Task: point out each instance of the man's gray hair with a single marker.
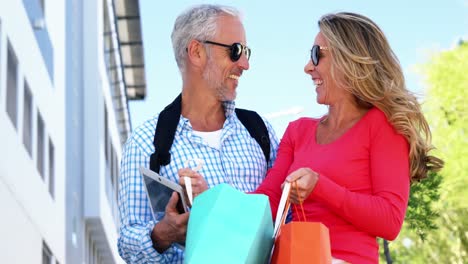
(200, 23)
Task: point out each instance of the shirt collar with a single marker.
(229, 107)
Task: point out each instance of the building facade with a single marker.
(105, 69)
(67, 71)
(32, 132)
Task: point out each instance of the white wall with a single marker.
(29, 213)
(23, 237)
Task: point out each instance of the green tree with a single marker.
(447, 112)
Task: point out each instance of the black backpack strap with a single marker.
(257, 129)
(165, 130)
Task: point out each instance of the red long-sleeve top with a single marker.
(363, 188)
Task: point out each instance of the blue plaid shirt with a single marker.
(239, 162)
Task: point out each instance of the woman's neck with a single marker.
(343, 115)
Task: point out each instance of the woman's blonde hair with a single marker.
(372, 73)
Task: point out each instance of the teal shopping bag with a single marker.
(229, 226)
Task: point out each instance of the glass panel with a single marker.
(35, 11)
(111, 166)
(51, 168)
(27, 119)
(106, 136)
(46, 254)
(115, 172)
(42, 5)
(12, 88)
(40, 144)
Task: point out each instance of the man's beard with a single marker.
(215, 80)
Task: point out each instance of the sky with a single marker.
(280, 34)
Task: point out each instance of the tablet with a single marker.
(159, 191)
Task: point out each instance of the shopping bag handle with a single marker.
(284, 206)
(301, 202)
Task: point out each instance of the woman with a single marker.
(354, 165)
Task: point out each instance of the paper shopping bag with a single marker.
(302, 242)
(229, 226)
(299, 242)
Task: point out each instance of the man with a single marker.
(210, 50)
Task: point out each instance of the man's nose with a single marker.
(244, 62)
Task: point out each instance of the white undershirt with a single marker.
(213, 138)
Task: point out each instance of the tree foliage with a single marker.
(421, 215)
(447, 112)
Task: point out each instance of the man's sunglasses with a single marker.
(235, 50)
(315, 54)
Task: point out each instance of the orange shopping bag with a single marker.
(299, 242)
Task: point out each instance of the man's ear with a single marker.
(196, 53)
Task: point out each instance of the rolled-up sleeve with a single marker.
(136, 220)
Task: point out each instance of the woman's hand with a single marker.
(306, 179)
(199, 184)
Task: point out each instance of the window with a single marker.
(35, 10)
(114, 204)
(12, 89)
(41, 2)
(106, 135)
(111, 166)
(51, 168)
(115, 175)
(92, 252)
(47, 256)
(27, 119)
(40, 144)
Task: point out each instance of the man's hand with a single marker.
(199, 184)
(306, 179)
(172, 228)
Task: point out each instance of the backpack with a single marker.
(167, 125)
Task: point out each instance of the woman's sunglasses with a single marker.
(235, 50)
(315, 54)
